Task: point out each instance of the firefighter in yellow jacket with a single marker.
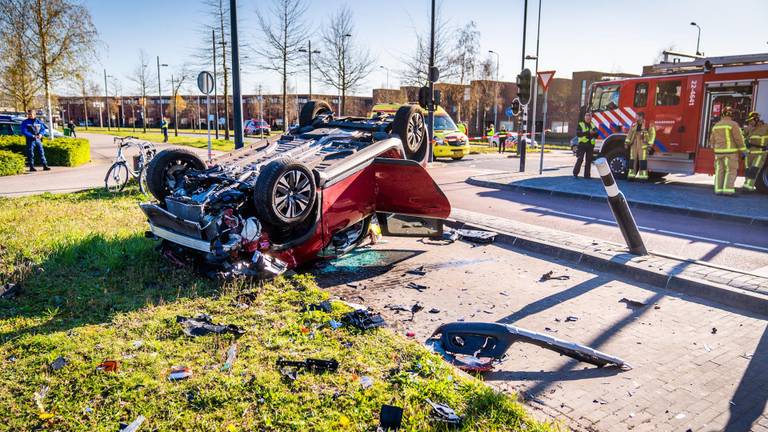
(756, 135)
(639, 140)
(727, 142)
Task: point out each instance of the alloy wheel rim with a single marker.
(415, 132)
(292, 194)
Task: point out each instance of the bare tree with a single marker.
(178, 79)
(342, 65)
(466, 50)
(416, 64)
(59, 35)
(284, 33)
(142, 78)
(18, 81)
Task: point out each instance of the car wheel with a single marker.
(285, 192)
(166, 168)
(619, 163)
(409, 126)
(761, 182)
(311, 110)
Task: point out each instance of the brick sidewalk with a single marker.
(685, 374)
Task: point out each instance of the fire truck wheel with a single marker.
(619, 163)
(761, 183)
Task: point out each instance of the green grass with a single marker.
(199, 139)
(92, 286)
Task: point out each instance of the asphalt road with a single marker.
(723, 243)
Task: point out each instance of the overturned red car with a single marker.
(311, 194)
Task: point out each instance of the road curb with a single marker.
(662, 273)
(633, 203)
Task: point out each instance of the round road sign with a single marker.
(205, 82)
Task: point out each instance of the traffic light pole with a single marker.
(521, 138)
(431, 102)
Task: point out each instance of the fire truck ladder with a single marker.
(699, 63)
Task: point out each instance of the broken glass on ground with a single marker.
(230, 358)
(202, 324)
(485, 343)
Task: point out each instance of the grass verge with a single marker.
(93, 288)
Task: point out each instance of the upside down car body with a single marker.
(311, 194)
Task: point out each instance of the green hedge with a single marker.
(11, 163)
(67, 152)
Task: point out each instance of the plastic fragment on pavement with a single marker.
(179, 373)
(134, 425)
(477, 236)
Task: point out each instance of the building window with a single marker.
(668, 93)
(560, 127)
(583, 94)
(641, 95)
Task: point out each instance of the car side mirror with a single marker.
(399, 225)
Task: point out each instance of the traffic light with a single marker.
(524, 86)
(515, 107)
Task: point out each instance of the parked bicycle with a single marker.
(120, 172)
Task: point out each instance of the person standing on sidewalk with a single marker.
(164, 128)
(71, 127)
(639, 139)
(727, 141)
(33, 130)
(490, 131)
(586, 134)
(756, 134)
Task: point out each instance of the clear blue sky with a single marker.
(613, 36)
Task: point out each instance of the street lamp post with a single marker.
(342, 89)
(106, 99)
(496, 91)
(386, 69)
(698, 38)
(159, 89)
(175, 110)
(309, 52)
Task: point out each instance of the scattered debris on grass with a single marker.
(39, 397)
(9, 290)
(133, 426)
(290, 368)
(107, 366)
(632, 304)
(202, 325)
(444, 413)
(324, 306)
(179, 373)
(59, 363)
(390, 417)
(366, 382)
(363, 319)
(549, 276)
(230, 358)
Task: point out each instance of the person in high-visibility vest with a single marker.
(639, 139)
(586, 133)
(164, 128)
(756, 133)
(727, 142)
(489, 133)
(462, 128)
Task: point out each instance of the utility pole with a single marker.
(536, 93)
(261, 114)
(386, 69)
(215, 88)
(496, 92)
(175, 110)
(523, 125)
(159, 89)
(237, 98)
(106, 100)
(431, 77)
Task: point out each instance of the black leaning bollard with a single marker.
(620, 209)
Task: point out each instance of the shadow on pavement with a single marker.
(749, 400)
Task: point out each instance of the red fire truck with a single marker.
(683, 100)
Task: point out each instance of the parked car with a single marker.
(511, 139)
(11, 125)
(309, 195)
(256, 127)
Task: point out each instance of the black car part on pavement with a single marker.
(481, 340)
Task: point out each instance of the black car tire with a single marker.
(618, 162)
(164, 169)
(285, 193)
(410, 127)
(311, 110)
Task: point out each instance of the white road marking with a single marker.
(752, 246)
(606, 221)
(565, 214)
(694, 236)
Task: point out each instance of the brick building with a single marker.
(128, 109)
